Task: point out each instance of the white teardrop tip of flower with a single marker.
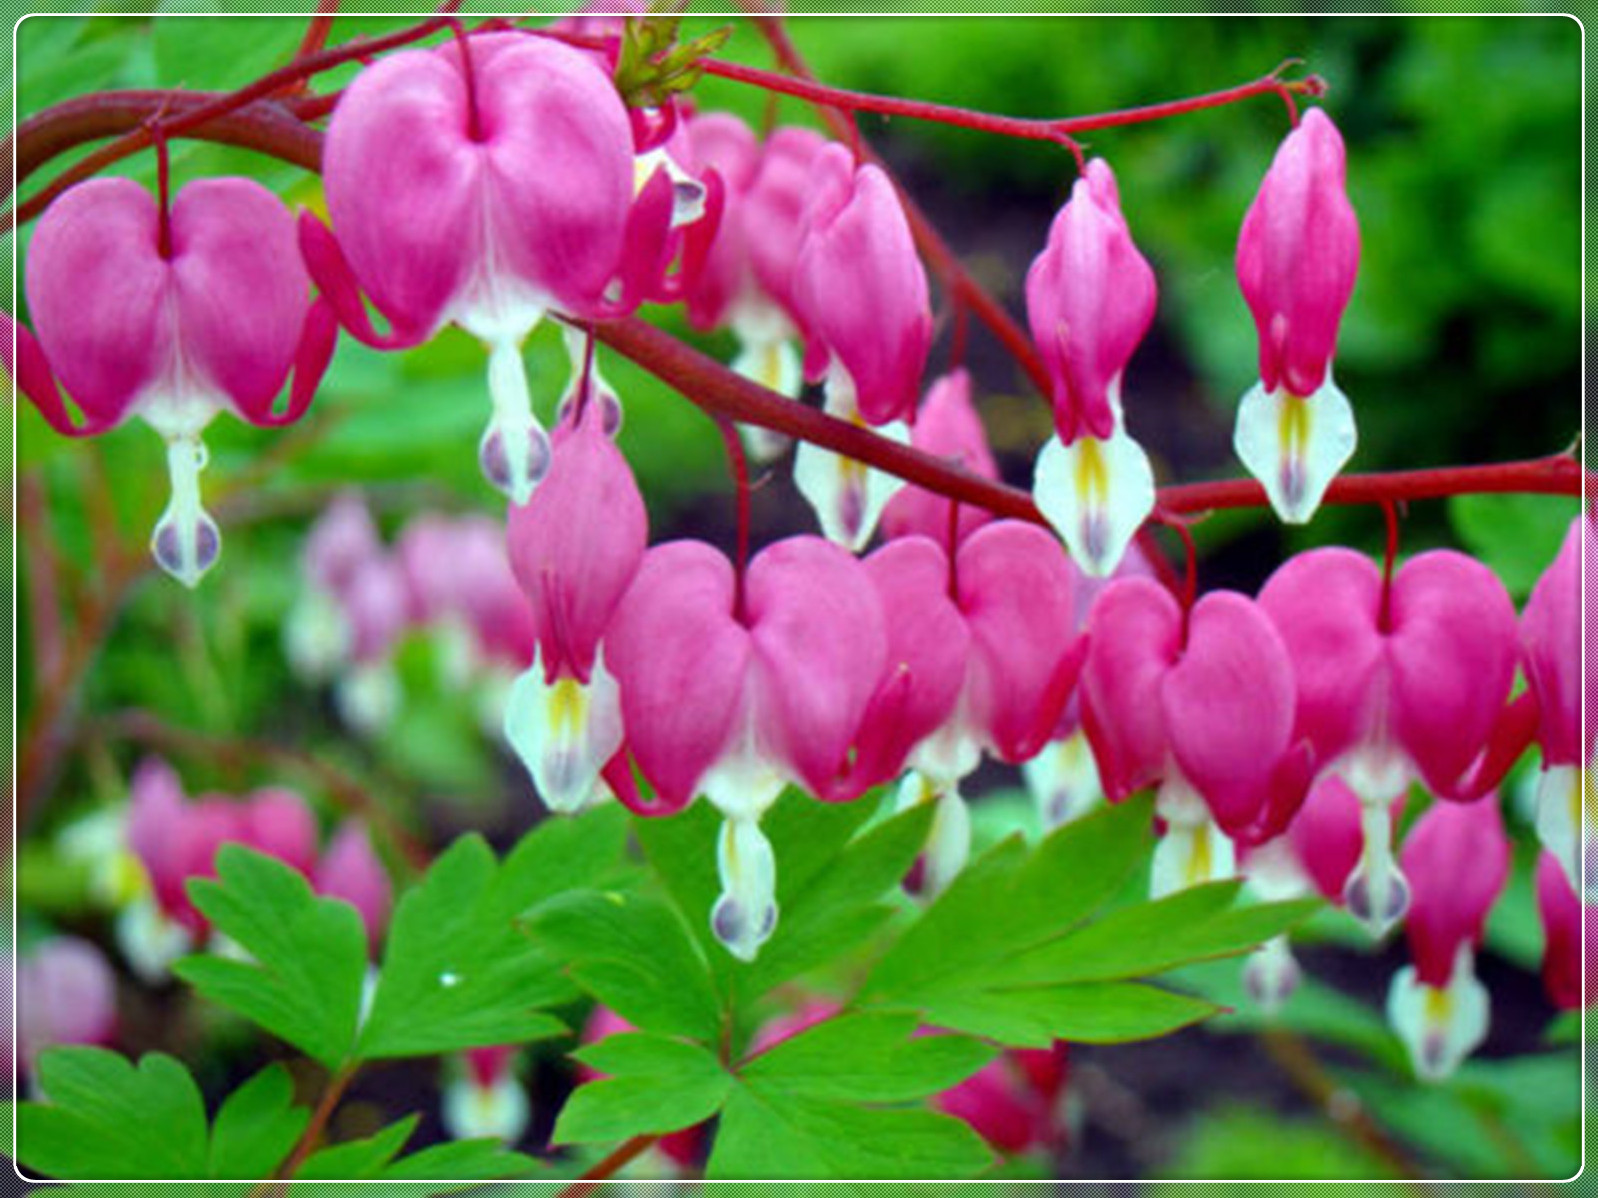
(564, 732)
(495, 1112)
(773, 362)
(847, 496)
(1295, 445)
(514, 453)
(1440, 1026)
(1377, 893)
(1063, 781)
(186, 542)
(745, 915)
(1567, 820)
(1096, 494)
(149, 941)
(1193, 850)
(368, 697)
(1271, 975)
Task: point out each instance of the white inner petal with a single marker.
(1440, 1026)
(1063, 780)
(564, 732)
(1295, 445)
(1096, 494)
(847, 496)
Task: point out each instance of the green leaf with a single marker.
(1516, 535)
(450, 1168)
(867, 1058)
(766, 1133)
(632, 954)
(1148, 938)
(203, 52)
(305, 981)
(257, 1127)
(652, 1085)
(836, 905)
(1088, 1013)
(1008, 900)
(98, 1120)
(357, 1160)
(457, 973)
(561, 854)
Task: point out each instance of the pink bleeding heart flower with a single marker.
(1553, 636)
(1296, 260)
(457, 571)
(1328, 835)
(947, 426)
(342, 540)
(575, 549)
(1570, 954)
(484, 186)
(485, 1099)
(66, 994)
(723, 143)
(1203, 708)
(727, 290)
(861, 295)
(317, 635)
(771, 216)
(1457, 861)
(1090, 300)
(927, 648)
(1394, 682)
(1013, 588)
(1015, 1101)
(737, 691)
(349, 869)
(171, 316)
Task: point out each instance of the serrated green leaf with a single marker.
(96, 1122)
(652, 1085)
(829, 910)
(561, 854)
(457, 973)
(256, 1128)
(451, 1168)
(309, 965)
(766, 1133)
(357, 1160)
(1009, 900)
(1086, 1013)
(867, 1058)
(1149, 938)
(632, 954)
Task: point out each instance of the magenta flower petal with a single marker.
(1453, 651)
(1327, 836)
(1457, 860)
(1567, 955)
(576, 545)
(1551, 632)
(927, 650)
(1015, 588)
(1298, 254)
(681, 660)
(1090, 299)
(1134, 633)
(277, 822)
(773, 210)
(817, 628)
(156, 815)
(1228, 707)
(861, 292)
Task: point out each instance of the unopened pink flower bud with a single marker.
(66, 994)
(1296, 260)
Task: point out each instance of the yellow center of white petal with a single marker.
(568, 707)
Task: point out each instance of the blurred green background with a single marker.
(1461, 345)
